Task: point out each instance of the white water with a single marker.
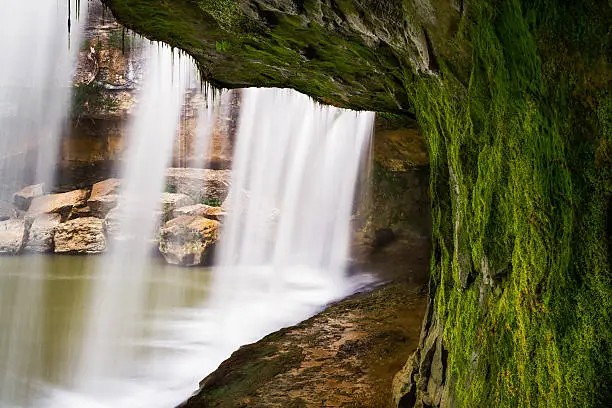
(118, 295)
(37, 64)
(285, 243)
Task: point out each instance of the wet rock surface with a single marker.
(345, 356)
(80, 236)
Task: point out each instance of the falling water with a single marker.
(37, 67)
(35, 73)
(118, 294)
(285, 243)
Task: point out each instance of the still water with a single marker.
(45, 302)
(189, 323)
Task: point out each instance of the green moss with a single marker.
(274, 49)
(517, 175)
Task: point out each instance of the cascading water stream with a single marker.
(35, 82)
(285, 242)
(118, 294)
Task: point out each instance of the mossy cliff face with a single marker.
(513, 98)
(350, 53)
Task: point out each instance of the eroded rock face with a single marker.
(188, 240)
(202, 185)
(81, 236)
(42, 231)
(23, 198)
(12, 236)
(62, 204)
(201, 210)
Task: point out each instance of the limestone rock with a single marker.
(12, 236)
(104, 197)
(202, 185)
(40, 237)
(201, 210)
(81, 236)
(172, 201)
(6, 211)
(62, 204)
(188, 240)
(23, 198)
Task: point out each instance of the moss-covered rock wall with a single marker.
(513, 98)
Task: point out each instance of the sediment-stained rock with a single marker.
(188, 240)
(81, 236)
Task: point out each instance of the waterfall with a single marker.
(285, 243)
(38, 61)
(118, 298)
(35, 82)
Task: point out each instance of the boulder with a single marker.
(201, 210)
(106, 187)
(6, 211)
(12, 236)
(42, 231)
(62, 204)
(171, 201)
(104, 197)
(188, 240)
(80, 236)
(23, 198)
(203, 185)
